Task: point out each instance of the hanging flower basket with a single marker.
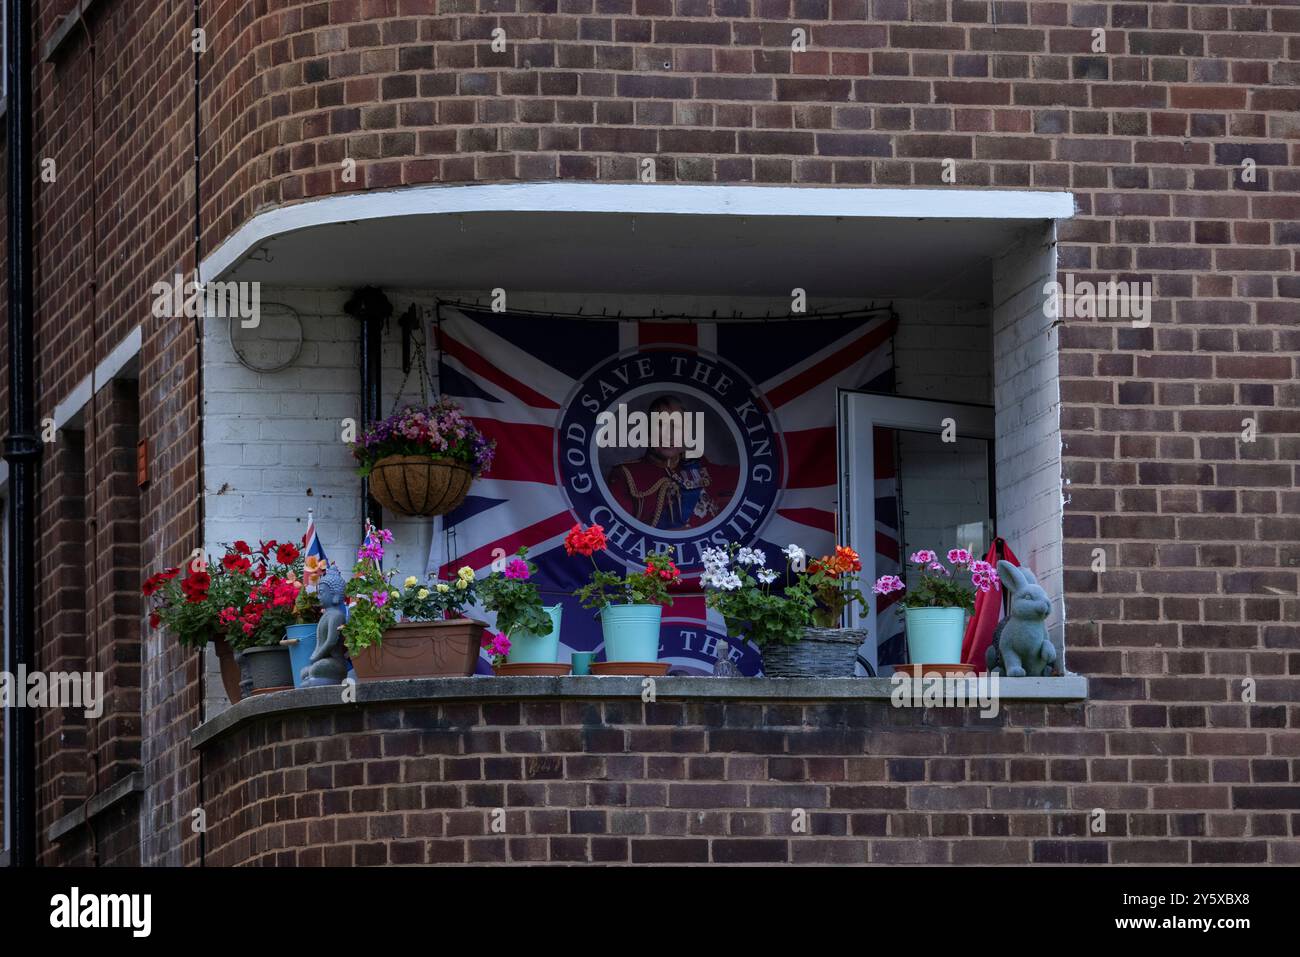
(421, 460)
(419, 485)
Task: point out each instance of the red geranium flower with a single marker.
(286, 554)
(234, 562)
(154, 619)
(268, 547)
(586, 541)
(241, 546)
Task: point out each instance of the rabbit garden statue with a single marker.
(1021, 645)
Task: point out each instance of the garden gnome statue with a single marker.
(328, 664)
(1021, 646)
(724, 667)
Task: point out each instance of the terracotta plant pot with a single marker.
(229, 669)
(533, 669)
(419, 485)
(422, 649)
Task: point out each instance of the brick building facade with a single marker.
(1175, 127)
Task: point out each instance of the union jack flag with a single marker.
(768, 474)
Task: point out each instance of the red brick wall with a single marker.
(619, 781)
(118, 124)
(63, 771)
(114, 571)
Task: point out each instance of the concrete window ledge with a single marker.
(1034, 690)
(97, 805)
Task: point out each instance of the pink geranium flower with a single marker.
(888, 584)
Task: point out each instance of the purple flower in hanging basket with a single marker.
(440, 430)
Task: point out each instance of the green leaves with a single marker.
(937, 591)
(647, 587)
(515, 600)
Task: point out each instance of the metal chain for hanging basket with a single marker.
(418, 485)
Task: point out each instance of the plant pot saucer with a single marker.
(645, 669)
(258, 691)
(960, 670)
(550, 668)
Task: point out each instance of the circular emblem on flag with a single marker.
(668, 448)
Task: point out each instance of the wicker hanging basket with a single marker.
(419, 485)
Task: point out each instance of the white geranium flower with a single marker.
(794, 554)
(766, 576)
(713, 558)
(751, 556)
(729, 582)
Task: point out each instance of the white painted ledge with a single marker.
(636, 199)
(108, 370)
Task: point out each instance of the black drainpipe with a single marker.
(371, 308)
(21, 448)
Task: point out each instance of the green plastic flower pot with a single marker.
(527, 648)
(934, 635)
(631, 632)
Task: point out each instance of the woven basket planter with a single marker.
(419, 485)
(822, 653)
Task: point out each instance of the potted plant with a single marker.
(630, 604)
(186, 605)
(532, 631)
(738, 583)
(827, 649)
(257, 626)
(935, 609)
(417, 631)
(244, 601)
(833, 580)
(421, 460)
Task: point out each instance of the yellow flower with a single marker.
(422, 594)
(462, 584)
(396, 593)
(442, 587)
(410, 581)
(465, 574)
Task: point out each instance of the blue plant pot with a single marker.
(527, 648)
(934, 635)
(300, 654)
(631, 632)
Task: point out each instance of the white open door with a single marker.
(913, 474)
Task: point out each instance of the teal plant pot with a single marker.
(527, 648)
(300, 654)
(631, 632)
(934, 635)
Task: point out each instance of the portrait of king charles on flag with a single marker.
(674, 484)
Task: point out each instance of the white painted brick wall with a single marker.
(1028, 420)
(942, 351)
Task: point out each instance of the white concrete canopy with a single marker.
(661, 239)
